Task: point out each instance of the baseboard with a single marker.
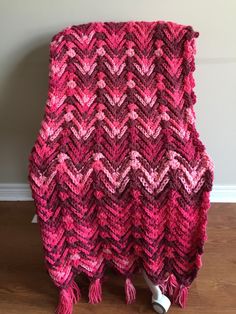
(15, 192)
(22, 192)
(223, 194)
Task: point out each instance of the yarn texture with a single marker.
(118, 173)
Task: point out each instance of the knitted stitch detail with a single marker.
(119, 175)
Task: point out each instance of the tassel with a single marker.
(181, 299)
(172, 287)
(67, 297)
(163, 287)
(130, 291)
(76, 292)
(199, 261)
(95, 291)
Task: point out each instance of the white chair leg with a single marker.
(160, 302)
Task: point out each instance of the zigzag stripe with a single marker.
(118, 171)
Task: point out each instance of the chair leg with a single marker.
(160, 302)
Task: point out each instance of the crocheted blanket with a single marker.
(119, 175)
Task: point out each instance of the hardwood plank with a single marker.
(25, 286)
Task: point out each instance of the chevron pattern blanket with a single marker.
(119, 175)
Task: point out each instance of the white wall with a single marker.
(26, 27)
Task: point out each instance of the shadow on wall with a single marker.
(23, 99)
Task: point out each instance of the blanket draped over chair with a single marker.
(118, 173)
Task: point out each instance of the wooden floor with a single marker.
(26, 288)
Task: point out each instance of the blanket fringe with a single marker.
(176, 292)
(172, 287)
(95, 291)
(76, 292)
(182, 296)
(130, 291)
(68, 296)
(199, 261)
